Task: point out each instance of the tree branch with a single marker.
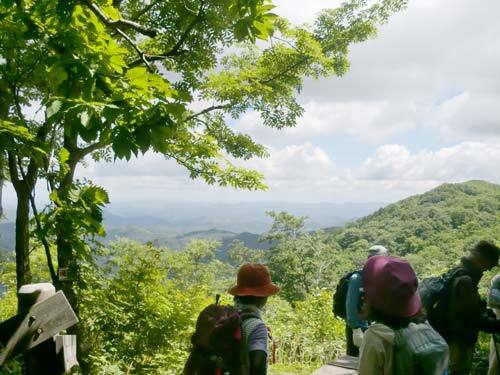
(121, 23)
(136, 48)
(31, 174)
(14, 175)
(82, 152)
(43, 240)
(207, 110)
(186, 32)
(176, 49)
(285, 71)
(19, 111)
(152, 58)
(146, 9)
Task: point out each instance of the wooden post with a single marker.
(66, 351)
(30, 294)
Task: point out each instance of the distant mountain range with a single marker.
(175, 224)
(435, 225)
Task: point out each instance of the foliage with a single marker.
(306, 333)
(117, 79)
(441, 225)
(139, 303)
(239, 254)
(137, 313)
(301, 262)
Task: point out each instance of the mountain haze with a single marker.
(175, 224)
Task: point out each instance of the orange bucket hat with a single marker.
(254, 280)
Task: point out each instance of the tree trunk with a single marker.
(23, 270)
(67, 267)
(67, 263)
(2, 179)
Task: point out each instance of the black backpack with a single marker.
(435, 295)
(340, 295)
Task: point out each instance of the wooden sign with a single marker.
(44, 320)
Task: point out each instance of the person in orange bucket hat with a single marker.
(253, 287)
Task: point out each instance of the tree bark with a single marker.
(2, 179)
(23, 269)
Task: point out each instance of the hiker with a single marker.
(462, 313)
(234, 340)
(400, 341)
(494, 304)
(252, 289)
(355, 326)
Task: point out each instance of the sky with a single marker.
(420, 106)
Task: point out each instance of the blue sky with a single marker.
(420, 106)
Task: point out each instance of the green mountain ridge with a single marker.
(431, 229)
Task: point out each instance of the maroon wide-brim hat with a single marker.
(254, 280)
(390, 286)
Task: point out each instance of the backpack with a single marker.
(340, 295)
(419, 349)
(435, 294)
(219, 343)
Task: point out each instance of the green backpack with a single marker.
(419, 349)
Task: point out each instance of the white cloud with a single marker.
(434, 50)
(296, 163)
(433, 67)
(367, 121)
(468, 115)
(150, 164)
(464, 161)
(298, 12)
(304, 173)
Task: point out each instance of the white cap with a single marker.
(377, 250)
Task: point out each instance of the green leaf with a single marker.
(56, 75)
(101, 196)
(7, 3)
(54, 108)
(84, 117)
(54, 197)
(138, 77)
(63, 155)
(143, 138)
(121, 146)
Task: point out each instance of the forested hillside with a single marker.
(139, 303)
(439, 225)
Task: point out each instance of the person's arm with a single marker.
(371, 361)
(352, 303)
(258, 350)
(258, 362)
(469, 307)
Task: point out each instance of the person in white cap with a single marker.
(355, 326)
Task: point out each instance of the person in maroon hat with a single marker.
(400, 341)
(251, 291)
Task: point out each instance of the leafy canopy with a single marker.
(118, 78)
